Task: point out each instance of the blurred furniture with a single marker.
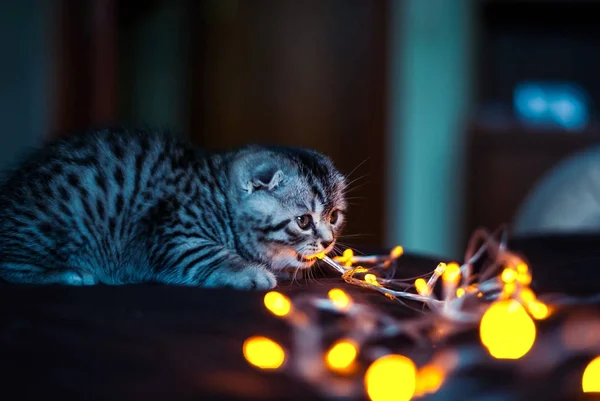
(307, 73)
(523, 41)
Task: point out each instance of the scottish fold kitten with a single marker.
(117, 207)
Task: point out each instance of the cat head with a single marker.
(288, 205)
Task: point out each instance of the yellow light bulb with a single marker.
(341, 355)
(339, 298)
(506, 330)
(263, 353)
(527, 295)
(451, 273)
(348, 254)
(508, 289)
(421, 286)
(509, 275)
(590, 381)
(346, 258)
(371, 279)
(522, 268)
(277, 303)
(460, 292)
(439, 270)
(391, 377)
(429, 379)
(538, 310)
(524, 278)
(397, 252)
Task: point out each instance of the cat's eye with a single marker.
(304, 221)
(334, 216)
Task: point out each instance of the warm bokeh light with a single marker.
(507, 330)
(421, 287)
(527, 295)
(451, 273)
(590, 381)
(346, 258)
(509, 275)
(277, 303)
(348, 254)
(371, 279)
(397, 252)
(429, 379)
(508, 290)
(391, 377)
(339, 298)
(522, 268)
(538, 310)
(524, 278)
(341, 355)
(460, 292)
(263, 353)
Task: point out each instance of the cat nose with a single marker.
(325, 243)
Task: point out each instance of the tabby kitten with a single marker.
(119, 207)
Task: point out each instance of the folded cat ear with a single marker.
(265, 177)
(258, 171)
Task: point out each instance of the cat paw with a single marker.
(253, 277)
(74, 278)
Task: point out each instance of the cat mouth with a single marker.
(309, 258)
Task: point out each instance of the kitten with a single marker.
(119, 207)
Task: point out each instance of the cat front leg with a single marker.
(202, 263)
(247, 277)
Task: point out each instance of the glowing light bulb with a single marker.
(524, 278)
(263, 353)
(277, 303)
(371, 279)
(509, 275)
(421, 286)
(397, 252)
(341, 355)
(439, 270)
(339, 298)
(508, 289)
(527, 295)
(451, 273)
(346, 257)
(429, 379)
(506, 330)
(590, 382)
(538, 310)
(522, 268)
(391, 377)
(460, 292)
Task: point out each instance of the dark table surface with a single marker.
(174, 343)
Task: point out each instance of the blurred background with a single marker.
(445, 112)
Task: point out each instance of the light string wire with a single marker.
(498, 299)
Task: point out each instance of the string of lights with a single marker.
(334, 356)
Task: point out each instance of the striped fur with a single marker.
(119, 207)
